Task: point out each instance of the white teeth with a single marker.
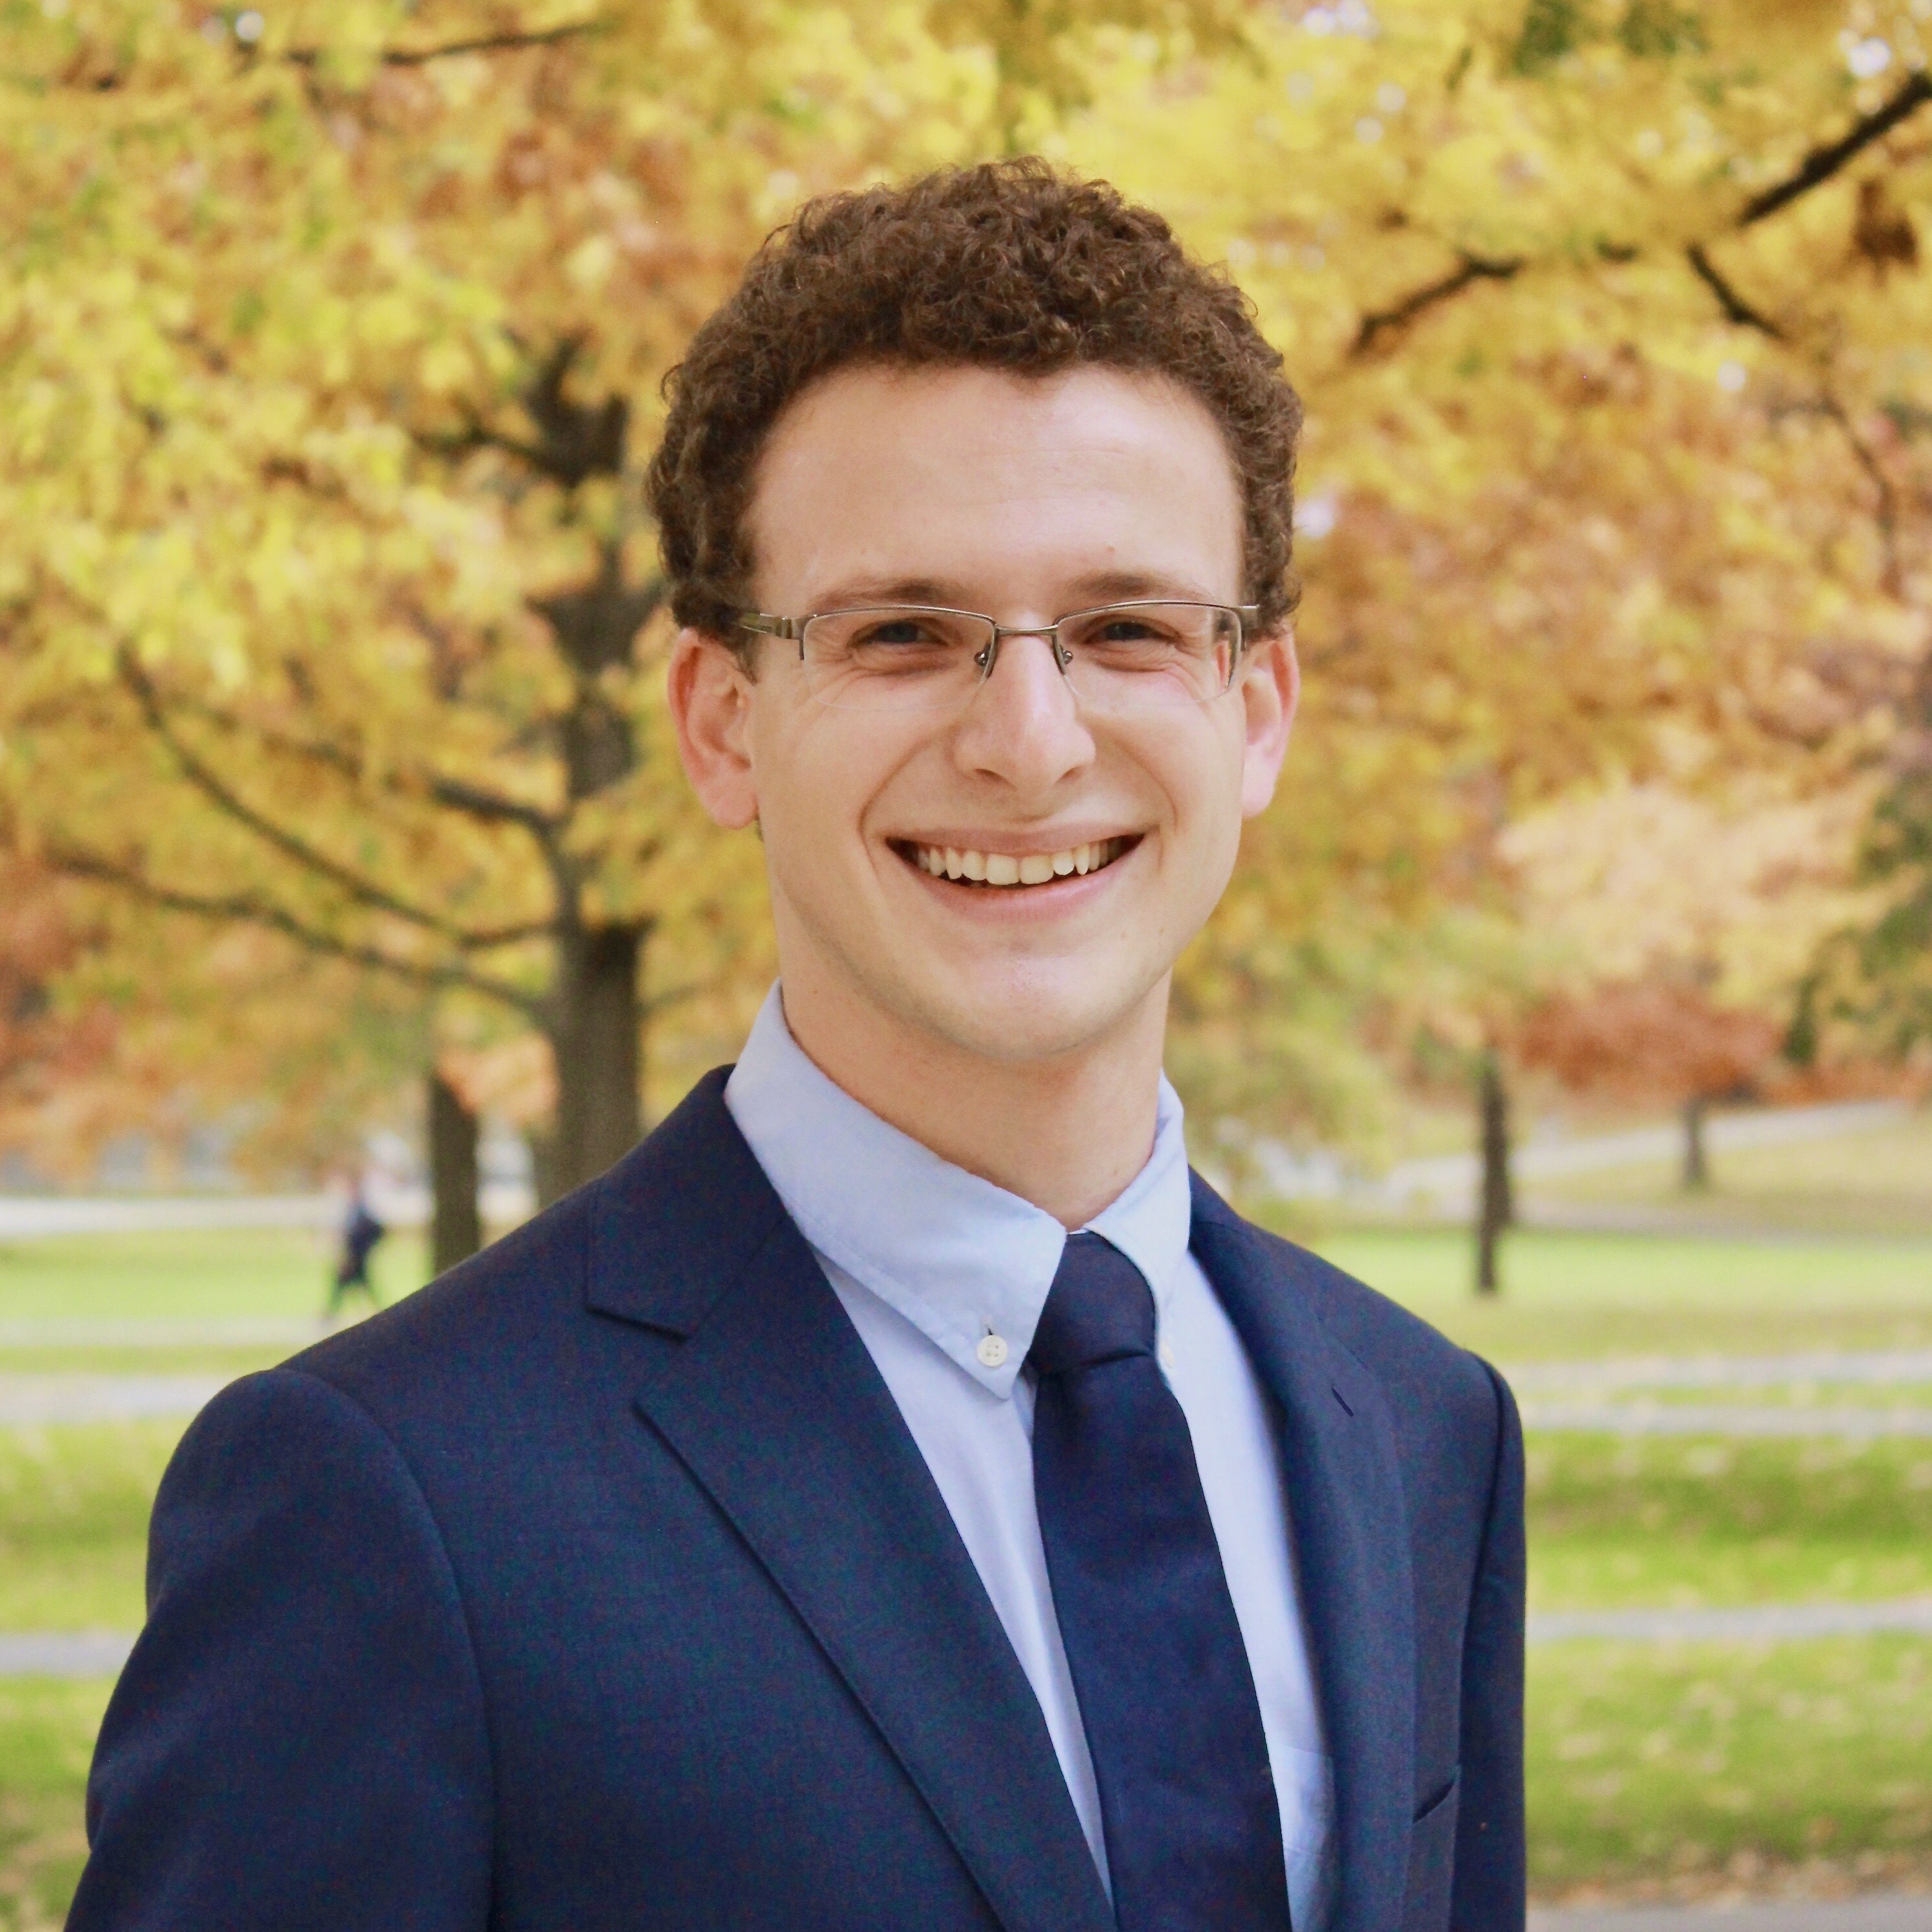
(1006, 868)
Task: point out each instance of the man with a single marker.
(362, 1234)
(894, 1496)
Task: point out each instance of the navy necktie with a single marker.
(1193, 1830)
(1155, 1655)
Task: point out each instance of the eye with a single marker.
(1127, 629)
(1128, 634)
(901, 631)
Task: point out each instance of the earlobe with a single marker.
(1270, 690)
(710, 705)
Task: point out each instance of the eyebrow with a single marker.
(863, 591)
(1106, 586)
(1112, 587)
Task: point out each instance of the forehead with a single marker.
(984, 485)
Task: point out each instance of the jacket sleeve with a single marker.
(298, 1739)
(1490, 1876)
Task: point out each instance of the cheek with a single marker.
(1201, 776)
(817, 778)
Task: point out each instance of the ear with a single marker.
(1270, 689)
(710, 704)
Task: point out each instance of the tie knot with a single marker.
(1098, 1308)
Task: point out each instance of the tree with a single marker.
(1656, 1039)
(1495, 1200)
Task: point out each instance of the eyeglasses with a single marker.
(1156, 654)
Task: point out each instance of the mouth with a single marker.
(1010, 869)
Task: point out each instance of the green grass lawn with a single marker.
(1671, 1521)
(1650, 1764)
(1585, 1295)
(73, 1523)
(47, 1735)
(191, 1275)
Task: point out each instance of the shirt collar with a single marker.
(960, 1259)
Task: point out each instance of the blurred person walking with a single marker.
(361, 1234)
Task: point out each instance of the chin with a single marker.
(1016, 1023)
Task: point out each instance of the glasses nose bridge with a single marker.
(1048, 633)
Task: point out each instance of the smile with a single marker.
(1008, 869)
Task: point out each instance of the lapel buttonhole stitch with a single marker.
(1342, 1399)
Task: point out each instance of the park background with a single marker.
(1588, 947)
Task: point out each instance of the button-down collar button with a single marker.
(991, 1351)
(1167, 1355)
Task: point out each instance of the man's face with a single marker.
(1026, 499)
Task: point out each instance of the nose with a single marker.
(1022, 725)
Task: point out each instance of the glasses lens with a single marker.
(1151, 656)
(894, 657)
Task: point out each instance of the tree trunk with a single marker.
(598, 1038)
(456, 1226)
(1697, 1167)
(598, 1115)
(1496, 1208)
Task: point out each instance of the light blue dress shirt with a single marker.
(944, 1275)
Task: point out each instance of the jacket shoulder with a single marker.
(1425, 1374)
(590, 1286)
(531, 1279)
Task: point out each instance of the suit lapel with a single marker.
(1351, 1541)
(773, 1405)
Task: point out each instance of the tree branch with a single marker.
(1472, 268)
(244, 907)
(483, 43)
(1822, 163)
(1736, 308)
(219, 793)
(459, 794)
(1887, 513)
(575, 440)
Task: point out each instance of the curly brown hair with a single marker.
(1009, 266)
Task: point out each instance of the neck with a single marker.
(1067, 1132)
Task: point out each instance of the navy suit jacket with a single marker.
(602, 1585)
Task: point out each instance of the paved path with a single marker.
(1452, 1177)
(1584, 1395)
(292, 1331)
(63, 1653)
(33, 1217)
(27, 1217)
(1690, 1418)
(1897, 1913)
(1744, 1622)
(31, 1399)
(1896, 1365)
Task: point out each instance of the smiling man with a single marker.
(897, 1495)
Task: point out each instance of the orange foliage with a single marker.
(1649, 1039)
